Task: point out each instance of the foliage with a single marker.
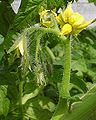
(92, 1)
(34, 70)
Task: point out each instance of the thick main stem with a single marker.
(64, 90)
(62, 106)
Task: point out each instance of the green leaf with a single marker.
(51, 4)
(1, 39)
(82, 110)
(10, 1)
(6, 17)
(79, 66)
(1, 46)
(39, 107)
(1, 54)
(76, 0)
(88, 36)
(31, 95)
(28, 14)
(92, 1)
(6, 105)
(9, 79)
(78, 81)
(4, 102)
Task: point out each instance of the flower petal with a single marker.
(76, 19)
(47, 24)
(20, 45)
(76, 31)
(85, 24)
(67, 13)
(45, 17)
(60, 19)
(81, 27)
(66, 29)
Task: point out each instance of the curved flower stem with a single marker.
(62, 106)
(45, 30)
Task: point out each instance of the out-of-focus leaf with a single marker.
(1, 46)
(28, 14)
(79, 66)
(51, 92)
(39, 107)
(57, 75)
(6, 106)
(1, 39)
(88, 36)
(76, 80)
(94, 1)
(6, 17)
(9, 79)
(10, 1)
(82, 110)
(1, 54)
(4, 101)
(31, 95)
(51, 4)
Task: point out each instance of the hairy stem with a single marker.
(46, 30)
(62, 106)
(64, 91)
(37, 48)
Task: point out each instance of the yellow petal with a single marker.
(85, 24)
(66, 29)
(76, 31)
(60, 19)
(45, 17)
(64, 17)
(47, 24)
(76, 19)
(81, 27)
(20, 45)
(53, 13)
(41, 10)
(67, 13)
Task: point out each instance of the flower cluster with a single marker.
(45, 17)
(70, 22)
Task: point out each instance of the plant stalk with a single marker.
(62, 106)
(64, 89)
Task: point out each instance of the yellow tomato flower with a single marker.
(45, 17)
(71, 22)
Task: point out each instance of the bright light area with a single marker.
(15, 5)
(88, 10)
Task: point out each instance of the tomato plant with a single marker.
(47, 62)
